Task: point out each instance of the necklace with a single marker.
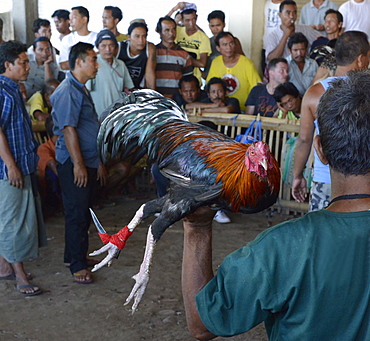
(349, 197)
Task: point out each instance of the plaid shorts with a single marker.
(320, 195)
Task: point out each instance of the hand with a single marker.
(80, 175)
(320, 27)
(113, 252)
(15, 177)
(200, 219)
(299, 189)
(313, 27)
(102, 175)
(288, 30)
(50, 59)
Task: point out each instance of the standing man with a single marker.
(42, 66)
(356, 14)
(139, 55)
(191, 38)
(302, 69)
(307, 278)
(76, 124)
(79, 19)
(276, 42)
(313, 13)
(61, 21)
(172, 61)
(19, 233)
(351, 53)
(261, 99)
(113, 78)
(235, 69)
(112, 15)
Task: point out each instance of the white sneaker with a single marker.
(221, 217)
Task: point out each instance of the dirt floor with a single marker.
(71, 311)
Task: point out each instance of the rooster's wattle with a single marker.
(203, 166)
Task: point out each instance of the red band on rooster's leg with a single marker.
(105, 237)
(119, 239)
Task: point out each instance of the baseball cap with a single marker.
(105, 35)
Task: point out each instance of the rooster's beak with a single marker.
(263, 163)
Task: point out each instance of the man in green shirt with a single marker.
(307, 278)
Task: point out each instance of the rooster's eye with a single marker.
(251, 153)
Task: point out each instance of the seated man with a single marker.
(40, 105)
(172, 61)
(42, 66)
(237, 70)
(217, 101)
(288, 100)
(113, 78)
(302, 69)
(302, 277)
(139, 56)
(189, 92)
(261, 99)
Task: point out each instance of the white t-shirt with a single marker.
(272, 19)
(72, 39)
(356, 16)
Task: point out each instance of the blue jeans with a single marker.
(77, 201)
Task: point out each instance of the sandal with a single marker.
(27, 286)
(82, 279)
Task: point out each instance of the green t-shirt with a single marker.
(308, 279)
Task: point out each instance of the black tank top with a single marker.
(135, 65)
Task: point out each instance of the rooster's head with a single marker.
(258, 158)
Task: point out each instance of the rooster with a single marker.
(203, 166)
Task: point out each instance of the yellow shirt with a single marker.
(36, 102)
(121, 37)
(195, 45)
(240, 79)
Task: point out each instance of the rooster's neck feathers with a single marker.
(240, 186)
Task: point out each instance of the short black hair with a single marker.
(349, 46)
(34, 44)
(136, 25)
(297, 38)
(50, 86)
(189, 79)
(343, 116)
(286, 2)
(274, 62)
(38, 23)
(9, 52)
(80, 50)
(84, 12)
(284, 89)
(158, 28)
(188, 11)
(221, 35)
(337, 13)
(116, 12)
(216, 15)
(216, 80)
(61, 14)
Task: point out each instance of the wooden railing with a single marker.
(275, 133)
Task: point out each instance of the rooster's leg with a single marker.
(142, 277)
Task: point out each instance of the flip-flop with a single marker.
(81, 279)
(26, 286)
(11, 277)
